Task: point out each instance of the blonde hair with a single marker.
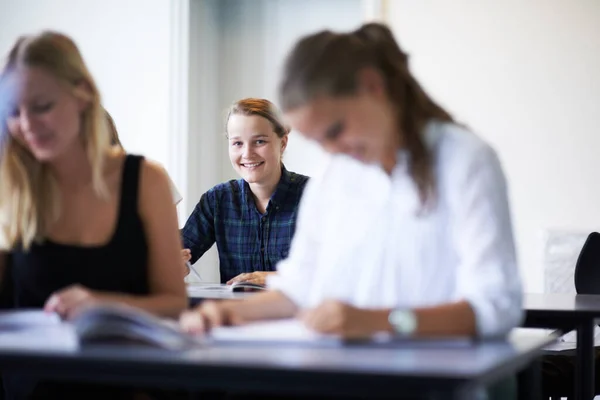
(29, 197)
(112, 131)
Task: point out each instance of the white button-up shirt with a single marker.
(363, 238)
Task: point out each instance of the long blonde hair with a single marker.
(29, 197)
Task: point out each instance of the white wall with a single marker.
(126, 45)
(525, 75)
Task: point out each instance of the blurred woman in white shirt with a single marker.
(407, 230)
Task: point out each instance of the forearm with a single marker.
(268, 305)
(162, 305)
(454, 319)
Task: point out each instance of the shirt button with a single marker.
(264, 219)
(262, 249)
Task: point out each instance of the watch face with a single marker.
(403, 321)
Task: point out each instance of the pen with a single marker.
(193, 270)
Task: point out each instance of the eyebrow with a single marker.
(258, 135)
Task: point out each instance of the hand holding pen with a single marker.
(187, 256)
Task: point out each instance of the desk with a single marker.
(427, 371)
(567, 312)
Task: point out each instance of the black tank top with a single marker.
(119, 266)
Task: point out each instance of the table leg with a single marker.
(584, 367)
(529, 381)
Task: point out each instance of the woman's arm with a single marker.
(198, 233)
(209, 314)
(488, 277)
(168, 295)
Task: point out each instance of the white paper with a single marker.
(35, 330)
(286, 330)
(27, 318)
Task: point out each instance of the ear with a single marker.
(370, 81)
(284, 141)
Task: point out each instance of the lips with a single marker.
(252, 165)
(38, 140)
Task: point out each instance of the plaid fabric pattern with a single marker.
(247, 240)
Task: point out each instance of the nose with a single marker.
(247, 151)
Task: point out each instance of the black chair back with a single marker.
(587, 268)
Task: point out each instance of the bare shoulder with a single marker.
(153, 177)
(155, 199)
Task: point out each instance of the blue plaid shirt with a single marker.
(247, 240)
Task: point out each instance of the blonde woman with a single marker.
(80, 222)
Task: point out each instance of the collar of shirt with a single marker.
(277, 198)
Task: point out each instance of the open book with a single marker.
(100, 324)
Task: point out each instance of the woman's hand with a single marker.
(336, 317)
(186, 254)
(71, 300)
(208, 315)
(257, 277)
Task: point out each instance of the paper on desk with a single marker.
(35, 330)
(286, 330)
(568, 341)
(294, 331)
(27, 318)
(208, 286)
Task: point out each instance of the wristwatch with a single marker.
(403, 321)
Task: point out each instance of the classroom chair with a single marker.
(587, 281)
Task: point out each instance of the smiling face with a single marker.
(255, 150)
(44, 115)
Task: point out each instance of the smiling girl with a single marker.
(251, 219)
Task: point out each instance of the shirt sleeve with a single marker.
(174, 192)
(198, 233)
(488, 276)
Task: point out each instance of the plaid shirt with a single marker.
(247, 240)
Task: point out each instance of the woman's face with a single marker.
(255, 150)
(361, 126)
(44, 114)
